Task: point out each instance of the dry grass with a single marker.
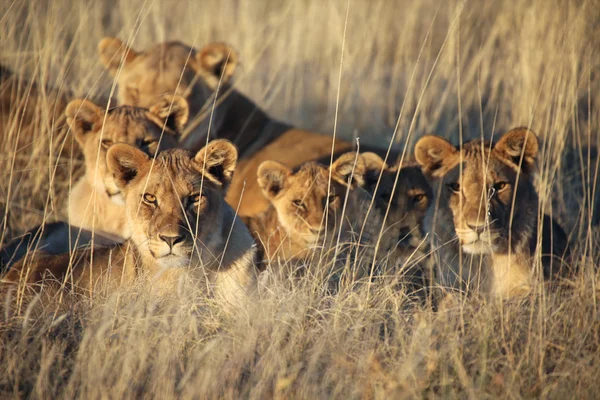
(457, 69)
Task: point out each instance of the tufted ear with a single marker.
(217, 161)
(218, 60)
(171, 110)
(349, 166)
(435, 155)
(126, 162)
(374, 165)
(112, 52)
(272, 178)
(517, 143)
(81, 116)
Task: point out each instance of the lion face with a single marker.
(170, 67)
(405, 191)
(307, 202)
(487, 187)
(148, 129)
(175, 203)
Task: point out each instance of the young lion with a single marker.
(180, 225)
(95, 201)
(402, 196)
(488, 202)
(174, 67)
(309, 211)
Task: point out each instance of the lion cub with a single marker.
(402, 196)
(95, 201)
(488, 210)
(180, 227)
(310, 214)
(199, 75)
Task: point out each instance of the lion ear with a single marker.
(219, 60)
(350, 169)
(272, 178)
(173, 111)
(113, 52)
(126, 162)
(218, 159)
(435, 155)
(519, 144)
(81, 116)
(374, 166)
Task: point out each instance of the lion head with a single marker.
(488, 187)
(175, 202)
(96, 129)
(308, 202)
(402, 191)
(170, 67)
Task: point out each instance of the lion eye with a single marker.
(196, 198)
(500, 186)
(418, 198)
(149, 198)
(298, 203)
(106, 143)
(455, 187)
(332, 198)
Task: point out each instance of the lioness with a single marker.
(309, 211)
(402, 195)
(174, 67)
(180, 225)
(95, 201)
(486, 200)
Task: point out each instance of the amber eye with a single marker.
(419, 198)
(298, 203)
(500, 186)
(106, 143)
(149, 198)
(332, 198)
(196, 199)
(455, 187)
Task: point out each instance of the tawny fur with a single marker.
(182, 229)
(95, 202)
(482, 240)
(173, 67)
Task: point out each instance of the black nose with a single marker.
(171, 240)
(404, 233)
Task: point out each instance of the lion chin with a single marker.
(173, 261)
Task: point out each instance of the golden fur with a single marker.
(487, 201)
(95, 201)
(181, 228)
(173, 67)
(309, 213)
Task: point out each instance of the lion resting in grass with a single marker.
(486, 220)
(402, 195)
(174, 67)
(95, 201)
(180, 227)
(312, 217)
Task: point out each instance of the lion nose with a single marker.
(405, 232)
(476, 228)
(171, 240)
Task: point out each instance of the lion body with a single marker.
(484, 222)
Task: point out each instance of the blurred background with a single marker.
(454, 68)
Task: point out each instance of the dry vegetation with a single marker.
(399, 69)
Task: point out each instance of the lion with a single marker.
(95, 201)
(181, 227)
(174, 67)
(402, 195)
(487, 214)
(311, 217)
